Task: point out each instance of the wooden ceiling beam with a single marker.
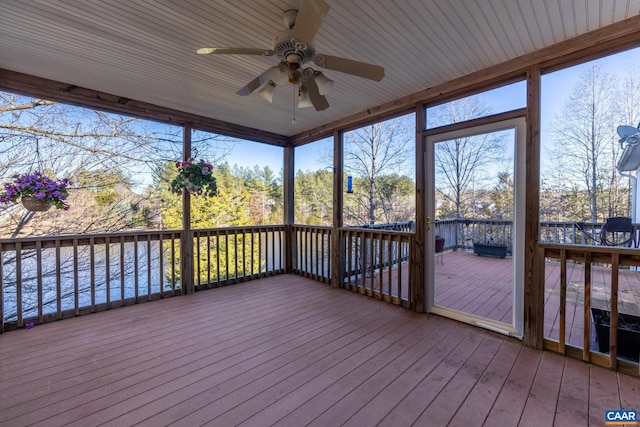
(27, 85)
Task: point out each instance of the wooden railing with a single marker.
(51, 278)
(375, 262)
(406, 226)
(312, 252)
(224, 256)
(594, 262)
(460, 233)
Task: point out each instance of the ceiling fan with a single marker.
(294, 48)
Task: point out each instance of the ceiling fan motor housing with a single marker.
(284, 46)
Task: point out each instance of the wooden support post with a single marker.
(417, 251)
(337, 247)
(533, 276)
(186, 240)
(289, 207)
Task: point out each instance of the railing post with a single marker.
(417, 249)
(289, 211)
(337, 246)
(186, 238)
(533, 258)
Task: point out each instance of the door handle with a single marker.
(429, 222)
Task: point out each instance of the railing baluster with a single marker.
(613, 310)
(273, 250)
(19, 283)
(218, 258)
(563, 300)
(235, 252)
(136, 265)
(380, 263)
(107, 266)
(400, 272)
(39, 281)
(76, 293)
(226, 253)
(174, 238)
(372, 262)
(92, 272)
(198, 267)
(122, 272)
(244, 256)
(58, 283)
(586, 338)
(149, 291)
(161, 262)
(253, 251)
(390, 264)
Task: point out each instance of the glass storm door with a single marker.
(475, 201)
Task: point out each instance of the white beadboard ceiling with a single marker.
(145, 50)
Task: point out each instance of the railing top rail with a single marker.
(589, 248)
(378, 231)
(251, 228)
(71, 237)
(385, 226)
(318, 227)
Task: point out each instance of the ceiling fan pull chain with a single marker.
(293, 122)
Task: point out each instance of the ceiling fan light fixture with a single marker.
(267, 91)
(279, 74)
(294, 76)
(324, 83)
(304, 101)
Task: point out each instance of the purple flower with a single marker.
(36, 185)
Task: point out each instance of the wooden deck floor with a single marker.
(483, 286)
(289, 351)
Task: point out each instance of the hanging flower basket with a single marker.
(196, 177)
(35, 205)
(36, 192)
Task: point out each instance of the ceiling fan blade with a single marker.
(234, 51)
(349, 66)
(319, 101)
(255, 83)
(310, 16)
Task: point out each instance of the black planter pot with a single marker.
(628, 333)
(490, 250)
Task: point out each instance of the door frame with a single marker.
(518, 124)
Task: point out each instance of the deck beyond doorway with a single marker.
(289, 351)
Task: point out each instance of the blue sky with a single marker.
(556, 88)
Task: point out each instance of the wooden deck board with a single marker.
(510, 402)
(483, 286)
(573, 408)
(285, 350)
(544, 392)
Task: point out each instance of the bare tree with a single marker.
(375, 151)
(628, 110)
(111, 160)
(584, 134)
(460, 161)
